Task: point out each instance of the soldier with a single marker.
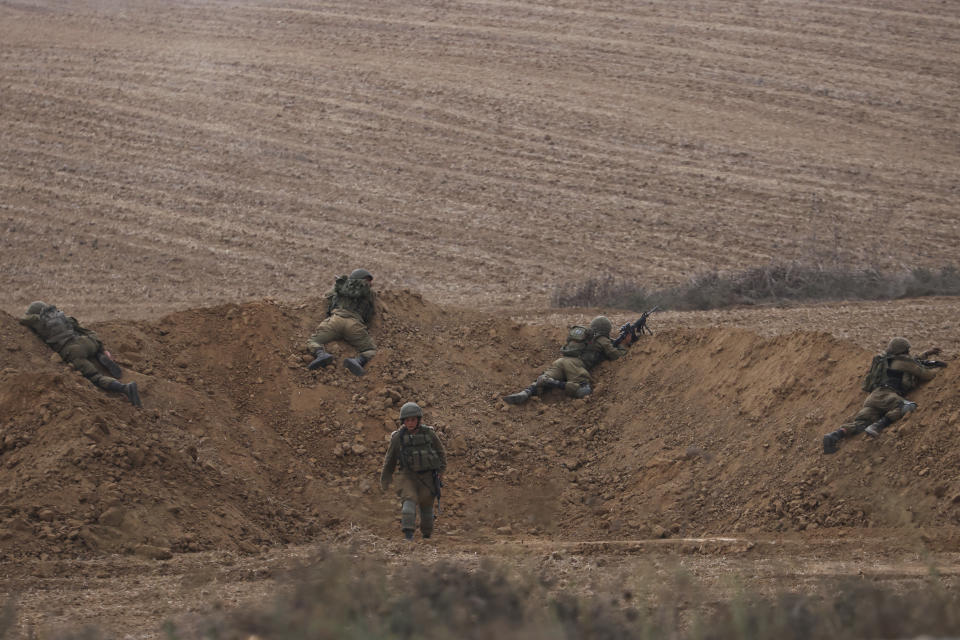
(417, 450)
(584, 350)
(900, 374)
(78, 346)
(349, 310)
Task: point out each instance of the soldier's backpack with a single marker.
(877, 373)
(578, 339)
(350, 287)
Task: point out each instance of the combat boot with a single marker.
(355, 365)
(408, 534)
(831, 440)
(908, 407)
(109, 364)
(130, 390)
(522, 396)
(874, 430)
(321, 359)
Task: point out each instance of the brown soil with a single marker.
(191, 175)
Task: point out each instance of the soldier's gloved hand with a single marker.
(930, 352)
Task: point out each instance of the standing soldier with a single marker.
(349, 310)
(418, 452)
(586, 347)
(893, 374)
(78, 346)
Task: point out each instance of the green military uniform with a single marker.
(78, 346)
(572, 372)
(418, 453)
(350, 308)
(887, 403)
(575, 372)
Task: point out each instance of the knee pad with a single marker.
(571, 389)
(408, 515)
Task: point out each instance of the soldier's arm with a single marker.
(389, 463)
(610, 352)
(83, 331)
(441, 452)
(914, 368)
(31, 320)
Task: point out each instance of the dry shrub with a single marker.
(348, 596)
(352, 596)
(770, 284)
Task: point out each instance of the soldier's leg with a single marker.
(426, 508)
(866, 416)
(521, 396)
(79, 354)
(577, 377)
(329, 330)
(554, 377)
(104, 358)
(356, 335)
(408, 504)
(891, 407)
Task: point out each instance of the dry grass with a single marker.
(355, 596)
(775, 283)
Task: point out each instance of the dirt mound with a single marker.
(720, 430)
(240, 446)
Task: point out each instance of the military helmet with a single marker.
(36, 307)
(411, 410)
(601, 326)
(898, 346)
(360, 274)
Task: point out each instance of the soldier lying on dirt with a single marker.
(893, 374)
(78, 346)
(349, 310)
(417, 450)
(586, 347)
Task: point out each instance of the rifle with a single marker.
(632, 329)
(933, 364)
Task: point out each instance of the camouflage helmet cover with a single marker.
(36, 307)
(601, 325)
(411, 410)
(360, 274)
(898, 346)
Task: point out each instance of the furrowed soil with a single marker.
(187, 178)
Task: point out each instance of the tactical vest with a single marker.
(416, 450)
(56, 328)
(894, 379)
(579, 338)
(352, 295)
(592, 355)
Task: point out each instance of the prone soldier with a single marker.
(350, 308)
(78, 346)
(586, 347)
(893, 374)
